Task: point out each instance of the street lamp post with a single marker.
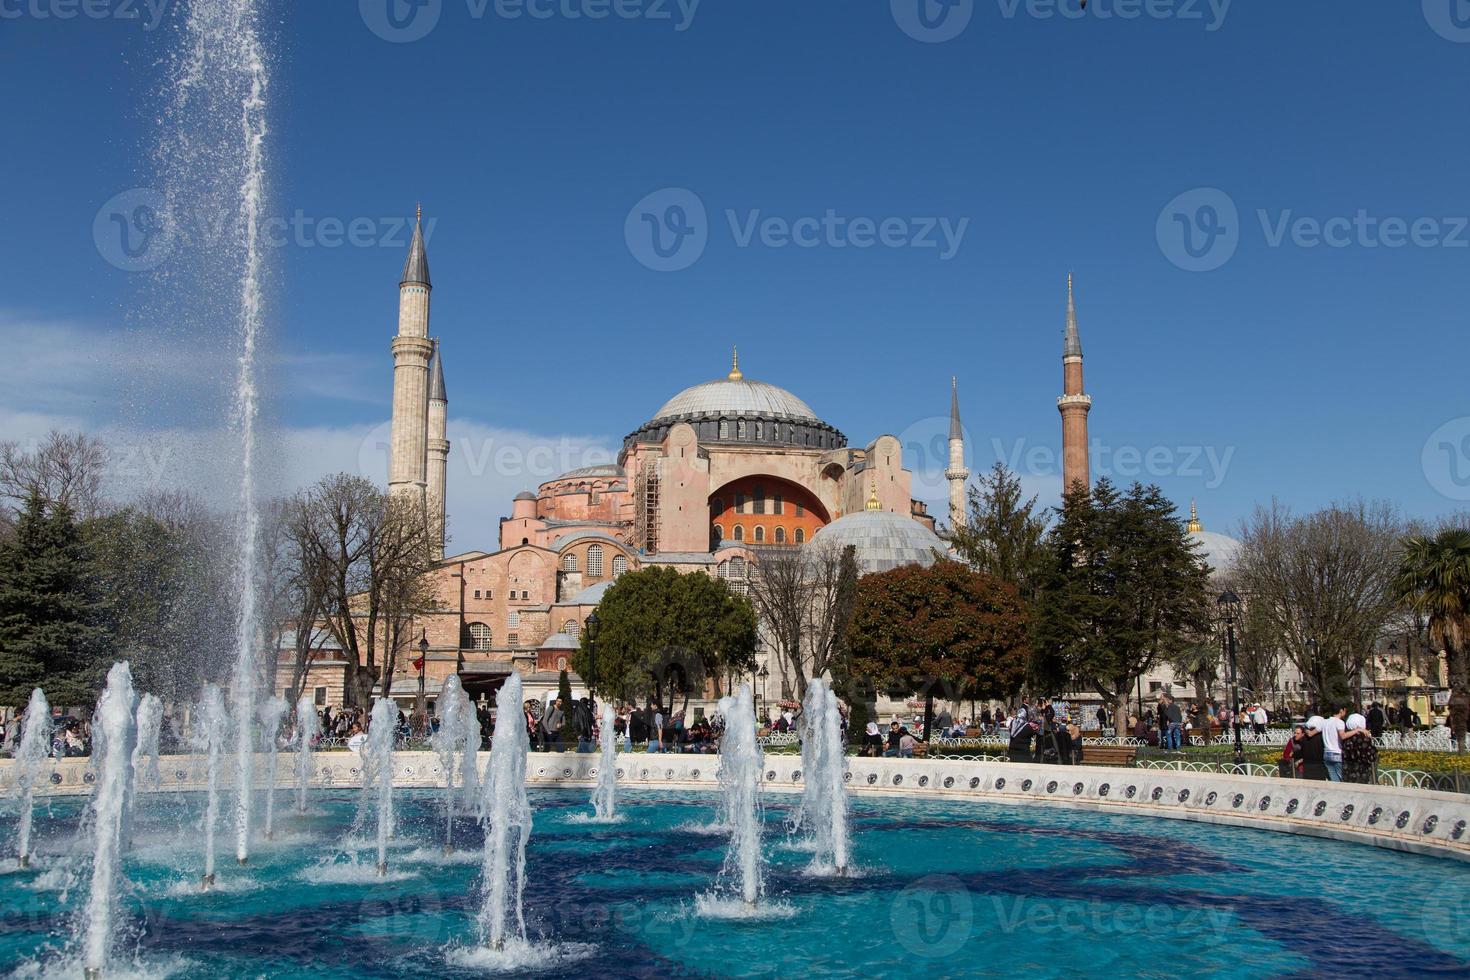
(1230, 606)
(1312, 647)
(422, 707)
(591, 653)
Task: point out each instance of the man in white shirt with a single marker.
(1332, 729)
(1259, 719)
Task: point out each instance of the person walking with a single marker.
(1173, 723)
(555, 719)
(1376, 720)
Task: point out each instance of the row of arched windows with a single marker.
(595, 562)
(758, 535)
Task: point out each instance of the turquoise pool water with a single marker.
(944, 889)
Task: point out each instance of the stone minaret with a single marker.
(956, 474)
(412, 350)
(1074, 404)
(438, 452)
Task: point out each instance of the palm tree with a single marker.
(1433, 579)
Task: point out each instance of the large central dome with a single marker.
(734, 410)
(755, 399)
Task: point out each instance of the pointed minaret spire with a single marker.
(1074, 405)
(1194, 526)
(735, 374)
(436, 376)
(956, 473)
(437, 452)
(416, 268)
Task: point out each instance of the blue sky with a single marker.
(1292, 367)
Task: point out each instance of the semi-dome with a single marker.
(882, 540)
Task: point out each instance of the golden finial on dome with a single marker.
(873, 496)
(735, 374)
(1194, 526)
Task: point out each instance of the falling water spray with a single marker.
(114, 720)
(308, 726)
(380, 763)
(508, 822)
(209, 738)
(272, 711)
(35, 747)
(605, 794)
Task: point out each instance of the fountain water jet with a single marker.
(114, 720)
(35, 747)
(741, 762)
(209, 738)
(457, 724)
(508, 814)
(272, 711)
(308, 726)
(824, 793)
(378, 771)
(144, 756)
(604, 796)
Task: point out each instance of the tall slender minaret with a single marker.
(438, 450)
(956, 474)
(1074, 404)
(412, 349)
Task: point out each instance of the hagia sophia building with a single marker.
(721, 473)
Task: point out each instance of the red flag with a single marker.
(418, 664)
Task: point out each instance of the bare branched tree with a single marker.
(65, 468)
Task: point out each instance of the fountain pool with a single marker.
(939, 887)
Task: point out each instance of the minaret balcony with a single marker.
(1074, 401)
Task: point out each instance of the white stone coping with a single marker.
(1398, 818)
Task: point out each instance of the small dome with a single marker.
(586, 472)
(561, 641)
(727, 397)
(883, 540)
(525, 495)
(1218, 550)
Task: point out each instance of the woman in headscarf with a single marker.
(1359, 752)
(1310, 750)
(873, 741)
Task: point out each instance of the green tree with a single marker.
(1122, 589)
(1433, 579)
(50, 632)
(661, 633)
(946, 630)
(564, 691)
(1004, 535)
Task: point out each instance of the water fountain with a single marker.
(272, 711)
(605, 795)
(209, 737)
(824, 808)
(378, 772)
(308, 727)
(35, 747)
(453, 746)
(741, 764)
(114, 719)
(508, 817)
(143, 757)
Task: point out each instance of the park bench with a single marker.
(1109, 755)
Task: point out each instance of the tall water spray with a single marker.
(823, 811)
(379, 766)
(211, 729)
(114, 719)
(211, 157)
(457, 724)
(272, 711)
(741, 762)
(605, 794)
(30, 757)
(147, 724)
(508, 817)
(308, 727)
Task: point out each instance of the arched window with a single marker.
(724, 570)
(740, 429)
(737, 567)
(724, 429)
(777, 506)
(740, 503)
(780, 535)
(739, 533)
(572, 628)
(569, 562)
(760, 430)
(480, 636)
(760, 534)
(594, 560)
(801, 535)
(719, 533)
(620, 565)
(719, 505)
